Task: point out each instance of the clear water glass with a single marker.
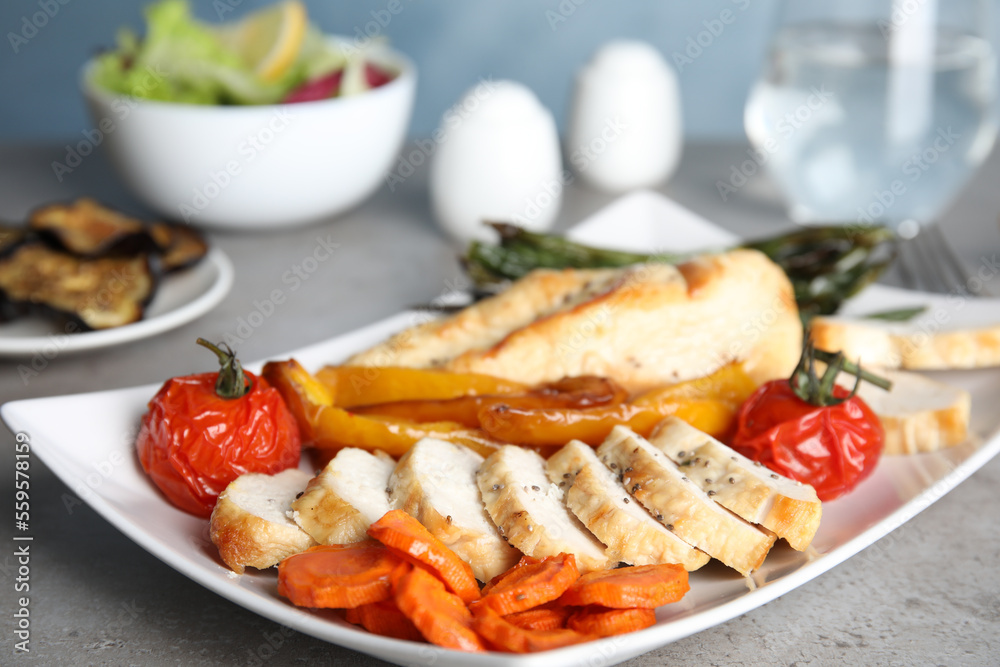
(876, 111)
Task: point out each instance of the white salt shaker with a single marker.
(497, 159)
(625, 120)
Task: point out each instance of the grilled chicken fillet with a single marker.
(349, 495)
(679, 504)
(249, 523)
(529, 510)
(596, 496)
(435, 482)
(788, 508)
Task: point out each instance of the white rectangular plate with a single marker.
(90, 447)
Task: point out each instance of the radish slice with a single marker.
(317, 89)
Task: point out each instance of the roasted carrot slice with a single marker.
(550, 616)
(604, 622)
(338, 576)
(384, 618)
(440, 616)
(509, 574)
(506, 636)
(531, 585)
(646, 586)
(406, 536)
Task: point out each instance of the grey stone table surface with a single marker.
(927, 594)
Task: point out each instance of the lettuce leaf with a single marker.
(183, 60)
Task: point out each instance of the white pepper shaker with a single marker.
(497, 159)
(625, 127)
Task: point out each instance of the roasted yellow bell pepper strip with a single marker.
(577, 392)
(354, 386)
(709, 404)
(326, 426)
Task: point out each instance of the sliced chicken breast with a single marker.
(680, 505)
(349, 495)
(249, 523)
(919, 414)
(965, 339)
(753, 492)
(435, 482)
(529, 510)
(597, 498)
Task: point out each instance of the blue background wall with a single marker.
(454, 42)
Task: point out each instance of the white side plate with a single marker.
(180, 298)
(90, 448)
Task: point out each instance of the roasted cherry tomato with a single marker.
(203, 431)
(812, 430)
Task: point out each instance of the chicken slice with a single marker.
(597, 498)
(677, 502)
(435, 482)
(249, 523)
(529, 510)
(919, 413)
(748, 489)
(349, 495)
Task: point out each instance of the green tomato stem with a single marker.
(232, 382)
(819, 391)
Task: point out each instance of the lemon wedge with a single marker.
(269, 40)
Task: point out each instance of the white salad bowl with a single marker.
(261, 167)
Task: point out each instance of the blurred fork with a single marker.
(927, 262)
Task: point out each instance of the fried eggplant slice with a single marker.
(180, 246)
(94, 293)
(87, 228)
(11, 236)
